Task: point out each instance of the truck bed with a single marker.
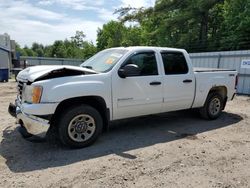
(201, 69)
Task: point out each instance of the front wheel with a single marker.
(80, 126)
(213, 106)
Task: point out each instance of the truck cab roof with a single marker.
(134, 48)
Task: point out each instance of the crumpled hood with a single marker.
(51, 71)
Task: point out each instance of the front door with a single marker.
(138, 95)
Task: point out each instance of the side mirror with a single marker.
(129, 70)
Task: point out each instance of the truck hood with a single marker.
(44, 72)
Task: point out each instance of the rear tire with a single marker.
(80, 126)
(213, 106)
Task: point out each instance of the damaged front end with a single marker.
(30, 112)
(29, 124)
(64, 72)
(44, 72)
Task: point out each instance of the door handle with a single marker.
(155, 83)
(187, 81)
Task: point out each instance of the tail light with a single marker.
(236, 81)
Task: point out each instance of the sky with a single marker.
(45, 21)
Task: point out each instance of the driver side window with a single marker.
(146, 61)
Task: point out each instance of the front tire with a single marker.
(213, 106)
(80, 126)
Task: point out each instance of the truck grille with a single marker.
(20, 89)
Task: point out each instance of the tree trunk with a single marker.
(203, 30)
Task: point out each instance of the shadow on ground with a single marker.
(23, 156)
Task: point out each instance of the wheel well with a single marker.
(222, 90)
(95, 101)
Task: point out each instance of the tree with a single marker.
(28, 51)
(89, 50)
(38, 49)
(236, 25)
(132, 36)
(78, 39)
(20, 50)
(110, 35)
(196, 25)
(76, 47)
(58, 49)
(177, 23)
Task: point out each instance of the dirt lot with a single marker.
(170, 150)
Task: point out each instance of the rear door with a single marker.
(178, 82)
(138, 95)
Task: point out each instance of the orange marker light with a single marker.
(36, 94)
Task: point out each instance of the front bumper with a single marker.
(34, 125)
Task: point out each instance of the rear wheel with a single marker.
(80, 126)
(213, 106)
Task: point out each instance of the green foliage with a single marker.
(132, 36)
(89, 50)
(196, 25)
(20, 50)
(29, 51)
(110, 35)
(38, 49)
(115, 34)
(78, 39)
(76, 47)
(236, 27)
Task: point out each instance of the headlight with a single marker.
(37, 94)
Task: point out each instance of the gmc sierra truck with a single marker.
(117, 83)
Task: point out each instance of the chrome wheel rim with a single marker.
(81, 128)
(215, 106)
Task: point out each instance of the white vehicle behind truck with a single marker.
(117, 83)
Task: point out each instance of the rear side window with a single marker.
(174, 63)
(146, 62)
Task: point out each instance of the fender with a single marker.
(60, 89)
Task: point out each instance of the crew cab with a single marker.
(117, 83)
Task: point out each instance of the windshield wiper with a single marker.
(88, 67)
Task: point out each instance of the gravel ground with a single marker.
(169, 150)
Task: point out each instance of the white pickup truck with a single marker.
(117, 83)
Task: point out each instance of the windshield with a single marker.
(105, 60)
